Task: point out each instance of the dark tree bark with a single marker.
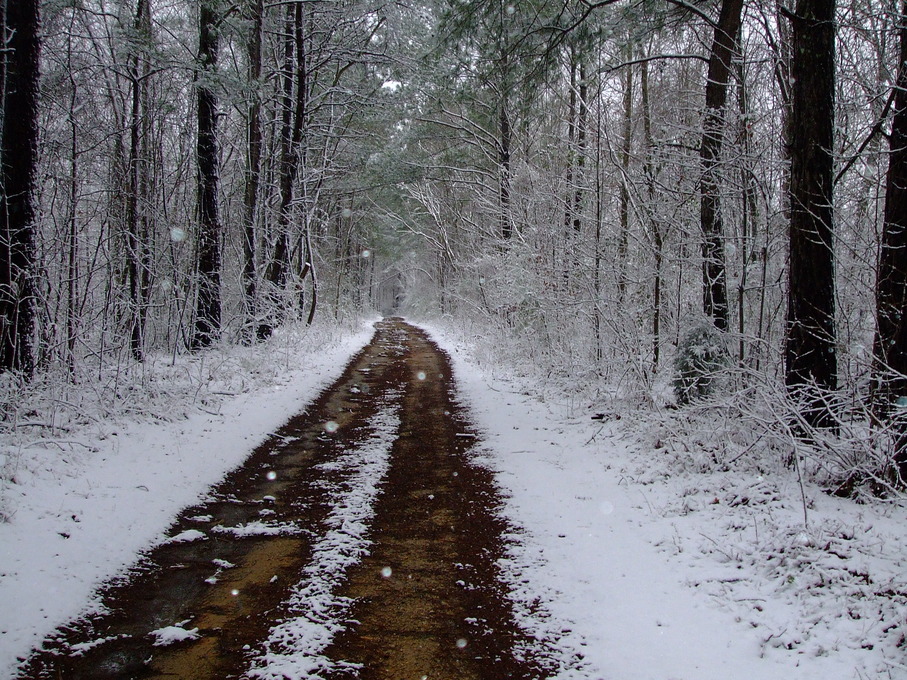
(811, 369)
(306, 265)
(279, 263)
(19, 63)
(655, 225)
(749, 212)
(72, 216)
(714, 272)
(623, 242)
(208, 305)
(576, 160)
(571, 160)
(310, 271)
(292, 124)
(138, 266)
(253, 165)
(890, 347)
(505, 170)
(576, 208)
(581, 125)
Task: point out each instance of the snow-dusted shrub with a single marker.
(701, 355)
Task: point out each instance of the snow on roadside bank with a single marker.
(79, 516)
(653, 575)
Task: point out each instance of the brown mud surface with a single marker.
(426, 598)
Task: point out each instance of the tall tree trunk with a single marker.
(137, 255)
(623, 239)
(890, 346)
(581, 124)
(505, 170)
(292, 121)
(208, 305)
(310, 266)
(72, 235)
(750, 218)
(599, 213)
(19, 63)
(306, 266)
(810, 350)
(279, 261)
(714, 273)
(654, 224)
(576, 161)
(571, 163)
(253, 165)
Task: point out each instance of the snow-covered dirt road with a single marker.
(359, 541)
(407, 525)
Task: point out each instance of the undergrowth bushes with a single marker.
(710, 413)
(50, 423)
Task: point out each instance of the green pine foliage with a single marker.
(701, 356)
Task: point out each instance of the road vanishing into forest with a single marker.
(359, 541)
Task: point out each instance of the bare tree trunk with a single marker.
(624, 209)
(890, 346)
(292, 122)
(576, 161)
(749, 214)
(599, 210)
(581, 124)
(306, 266)
(310, 265)
(137, 255)
(810, 355)
(208, 305)
(657, 233)
(505, 170)
(568, 175)
(19, 64)
(253, 167)
(278, 266)
(72, 235)
(714, 271)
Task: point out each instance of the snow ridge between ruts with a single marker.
(293, 650)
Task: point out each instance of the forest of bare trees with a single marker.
(709, 196)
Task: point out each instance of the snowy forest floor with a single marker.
(627, 555)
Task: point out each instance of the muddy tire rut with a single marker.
(419, 594)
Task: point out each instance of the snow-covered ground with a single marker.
(652, 570)
(81, 506)
(642, 566)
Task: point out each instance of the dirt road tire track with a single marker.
(442, 613)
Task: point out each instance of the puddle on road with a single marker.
(175, 583)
